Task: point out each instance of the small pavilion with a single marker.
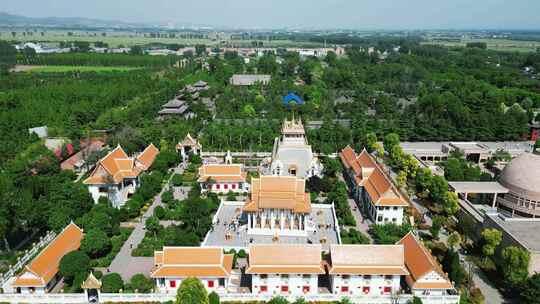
(464, 188)
(92, 288)
(189, 145)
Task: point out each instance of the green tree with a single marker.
(371, 141)
(191, 291)
(390, 141)
(152, 225)
(515, 265)
(8, 55)
(112, 283)
(436, 226)
(454, 239)
(452, 266)
(141, 283)
(74, 263)
(95, 243)
(530, 292)
(491, 238)
(450, 203)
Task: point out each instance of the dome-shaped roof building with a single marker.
(522, 178)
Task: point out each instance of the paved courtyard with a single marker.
(230, 229)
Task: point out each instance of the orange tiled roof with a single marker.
(222, 173)
(147, 157)
(45, 266)
(280, 192)
(116, 166)
(420, 262)
(192, 262)
(368, 259)
(369, 175)
(285, 258)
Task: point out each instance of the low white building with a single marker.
(223, 178)
(366, 269)
(116, 176)
(42, 274)
(426, 276)
(208, 264)
(372, 188)
(285, 269)
(249, 79)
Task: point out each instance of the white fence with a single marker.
(238, 297)
(44, 240)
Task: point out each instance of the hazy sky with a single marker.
(358, 14)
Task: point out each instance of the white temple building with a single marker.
(292, 155)
(278, 206)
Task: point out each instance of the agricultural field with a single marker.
(128, 39)
(493, 44)
(67, 68)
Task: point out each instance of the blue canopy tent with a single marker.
(292, 97)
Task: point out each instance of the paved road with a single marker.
(127, 265)
(490, 292)
(362, 223)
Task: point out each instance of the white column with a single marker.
(494, 200)
(291, 220)
(272, 219)
(249, 220)
(263, 219)
(281, 220)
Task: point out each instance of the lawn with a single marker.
(68, 68)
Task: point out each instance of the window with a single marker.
(264, 288)
(161, 281)
(225, 186)
(264, 276)
(367, 277)
(172, 284)
(365, 289)
(305, 289)
(394, 219)
(395, 208)
(306, 276)
(284, 288)
(284, 276)
(387, 289)
(210, 284)
(221, 282)
(387, 277)
(218, 186)
(233, 186)
(346, 276)
(344, 288)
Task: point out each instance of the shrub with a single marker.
(141, 283)
(192, 291)
(160, 212)
(112, 282)
(177, 180)
(213, 298)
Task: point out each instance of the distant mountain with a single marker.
(70, 22)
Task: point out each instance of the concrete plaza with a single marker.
(230, 229)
